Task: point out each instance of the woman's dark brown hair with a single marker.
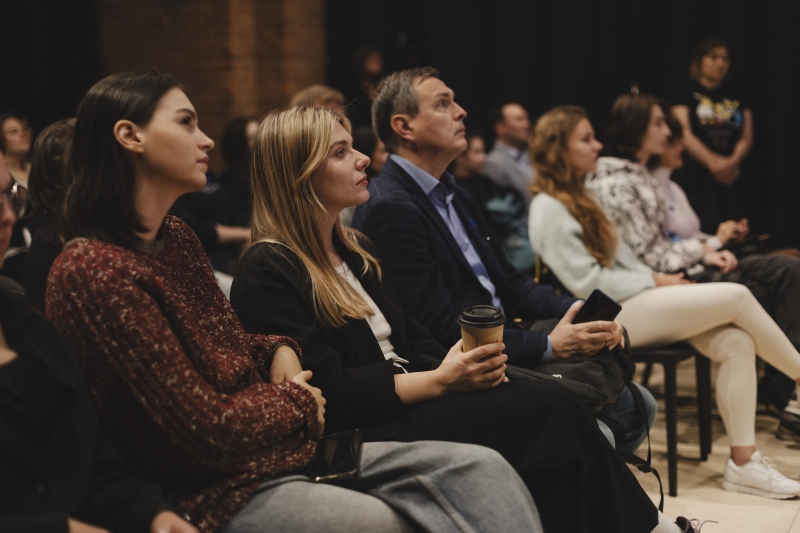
(703, 49)
(627, 123)
(99, 201)
(49, 166)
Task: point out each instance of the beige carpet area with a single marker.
(700, 493)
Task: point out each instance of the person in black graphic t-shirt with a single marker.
(718, 134)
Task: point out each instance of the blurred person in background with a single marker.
(15, 145)
(48, 177)
(508, 163)
(369, 68)
(718, 135)
(503, 207)
(319, 96)
(219, 213)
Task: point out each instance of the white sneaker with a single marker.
(760, 478)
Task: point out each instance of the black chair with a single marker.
(669, 357)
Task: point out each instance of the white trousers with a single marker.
(724, 322)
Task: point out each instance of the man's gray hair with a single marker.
(397, 96)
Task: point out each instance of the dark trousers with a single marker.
(579, 483)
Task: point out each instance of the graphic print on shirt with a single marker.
(722, 120)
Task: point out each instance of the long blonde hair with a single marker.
(554, 176)
(289, 146)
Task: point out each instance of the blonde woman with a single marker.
(316, 280)
(722, 320)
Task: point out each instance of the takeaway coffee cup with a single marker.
(481, 324)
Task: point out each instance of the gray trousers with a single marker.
(429, 486)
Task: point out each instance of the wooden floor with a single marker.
(700, 493)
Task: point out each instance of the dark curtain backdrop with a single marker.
(540, 54)
(50, 58)
(584, 52)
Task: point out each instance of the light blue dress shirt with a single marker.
(441, 192)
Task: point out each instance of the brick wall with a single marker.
(236, 57)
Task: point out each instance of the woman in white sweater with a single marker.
(722, 320)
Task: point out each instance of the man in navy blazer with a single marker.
(441, 255)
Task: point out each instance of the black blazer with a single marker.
(76, 473)
(429, 270)
(271, 293)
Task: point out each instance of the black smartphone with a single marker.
(598, 306)
(338, 457)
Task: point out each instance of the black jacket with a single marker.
(541, 428)
(271, 293)
(431, 274)
(74, 473)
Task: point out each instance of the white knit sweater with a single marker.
(558, 239)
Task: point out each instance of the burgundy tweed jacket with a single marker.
(182, 390)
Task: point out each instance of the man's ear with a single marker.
(129, 136)
(402, 127)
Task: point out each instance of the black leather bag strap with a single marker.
(632, 458)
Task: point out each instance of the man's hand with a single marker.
(301, 379)
(169, 522)
(587, 339)
(285, 365)
(723, 259)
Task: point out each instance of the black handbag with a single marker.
(596, 379)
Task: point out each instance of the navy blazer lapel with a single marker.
(429, 210)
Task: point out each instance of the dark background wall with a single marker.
(585, 52)
(248, 56)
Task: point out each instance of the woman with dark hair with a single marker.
(15, 145)
(723, 321)
(219, 416)
(58, 472)
(219, 213)
(718, 126)
(46, 184)
(380, 369)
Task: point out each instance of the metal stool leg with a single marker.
(646, 374)
(671, 396)
(703, 372)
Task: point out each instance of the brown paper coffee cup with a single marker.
(474, 337)
(481, 324)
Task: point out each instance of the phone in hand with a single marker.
(598, 306)
(338, 457)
